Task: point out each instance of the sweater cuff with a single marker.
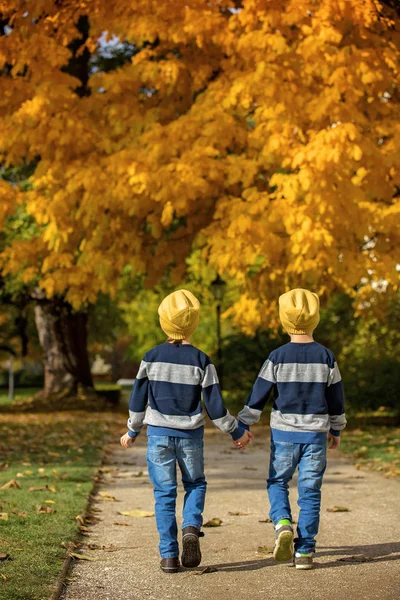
(238, 432)
(244, 425)
(132, 434)
(334, 432)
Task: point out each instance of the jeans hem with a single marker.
(197, 525)
(169, 554)
(276, 521)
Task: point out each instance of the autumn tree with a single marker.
(266, 131)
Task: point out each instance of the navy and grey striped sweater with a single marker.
(166, 395)
(308, 394)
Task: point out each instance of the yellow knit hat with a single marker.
(299, 311)
(179, 314)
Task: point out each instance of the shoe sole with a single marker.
(304, 567)
(191, 555)
(168, 571)
(284, 547)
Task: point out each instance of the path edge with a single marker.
(60, 583)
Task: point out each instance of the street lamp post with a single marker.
(218, 289)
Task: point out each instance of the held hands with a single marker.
(333, 441)
(242, 442)
(127, 441)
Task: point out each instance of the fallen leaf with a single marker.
(45, 509)
(123, 524)
(136, 513)
(49, 502)
(22, 514)
(107, 497)
(10, 484)
(213, 523)
(206, 570)
(3, 516)
(80, 519)
(265, 550)
(250, 469)
(83, 528)
(37, 489)
(238, 513)
(338, 509)
(267, 520)
(56, 454)
(4, 556)
(82, 556)
(4, 577)
(355, 558)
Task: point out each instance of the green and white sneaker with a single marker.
(303, 561)
(283, 550)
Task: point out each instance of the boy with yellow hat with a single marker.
(308, 410)
(167, 397)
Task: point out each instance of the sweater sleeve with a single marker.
(334, 395)
(259, 395)
(214, 405)
(138, 401)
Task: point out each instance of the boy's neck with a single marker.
(184, 341)
(301, 339)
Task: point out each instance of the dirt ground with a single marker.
(367, 537)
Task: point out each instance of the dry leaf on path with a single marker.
(213, 523)
(13, 483)
(267, 520)
(83, 556)
(355, 558)
(265, 550)
(238, 513)
(107, 497)
(338, 509)
(123, 524)
(3, 516)
(206, 570)
(136, 513)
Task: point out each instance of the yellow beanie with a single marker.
(179, 314)
(299, 311)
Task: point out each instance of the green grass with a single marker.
(376, 448)
(60, 451)
(20, 394)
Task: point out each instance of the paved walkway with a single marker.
(368, 537)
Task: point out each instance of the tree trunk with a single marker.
(63, 337)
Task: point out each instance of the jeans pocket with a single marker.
(158, 449)
(317, 460)
(282, 454)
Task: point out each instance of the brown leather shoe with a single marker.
(170, 565)
(191, 555)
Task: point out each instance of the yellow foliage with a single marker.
(270, 135)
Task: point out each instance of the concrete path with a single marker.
(368, 537)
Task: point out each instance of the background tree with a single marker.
(266, 130)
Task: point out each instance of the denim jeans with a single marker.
(311, 461)
(163, 454)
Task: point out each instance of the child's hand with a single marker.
(333, 441)
(242, 442)
(127, 441)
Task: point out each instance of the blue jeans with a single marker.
(311, 461)
(163, 453)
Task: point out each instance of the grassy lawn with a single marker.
(20, 394)
(58, 453)
(372, 447)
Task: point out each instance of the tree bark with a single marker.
(63, 337)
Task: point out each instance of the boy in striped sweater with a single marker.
(167, 397)
(308, 411)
